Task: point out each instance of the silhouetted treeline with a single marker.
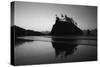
(88, 32)
(18, 31)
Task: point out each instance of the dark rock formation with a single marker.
(65, 27)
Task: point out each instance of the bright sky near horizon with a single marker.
(41, 16)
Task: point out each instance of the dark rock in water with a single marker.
(67, 27)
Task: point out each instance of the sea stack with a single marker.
(65, 26)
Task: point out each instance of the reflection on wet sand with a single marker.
(64, 49)
(40, 50)
(21, 41)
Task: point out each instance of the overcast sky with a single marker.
(41, 16)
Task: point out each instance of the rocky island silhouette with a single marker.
(65, 26)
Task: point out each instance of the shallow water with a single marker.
(51, 50)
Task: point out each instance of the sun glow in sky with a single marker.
(41, 16)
